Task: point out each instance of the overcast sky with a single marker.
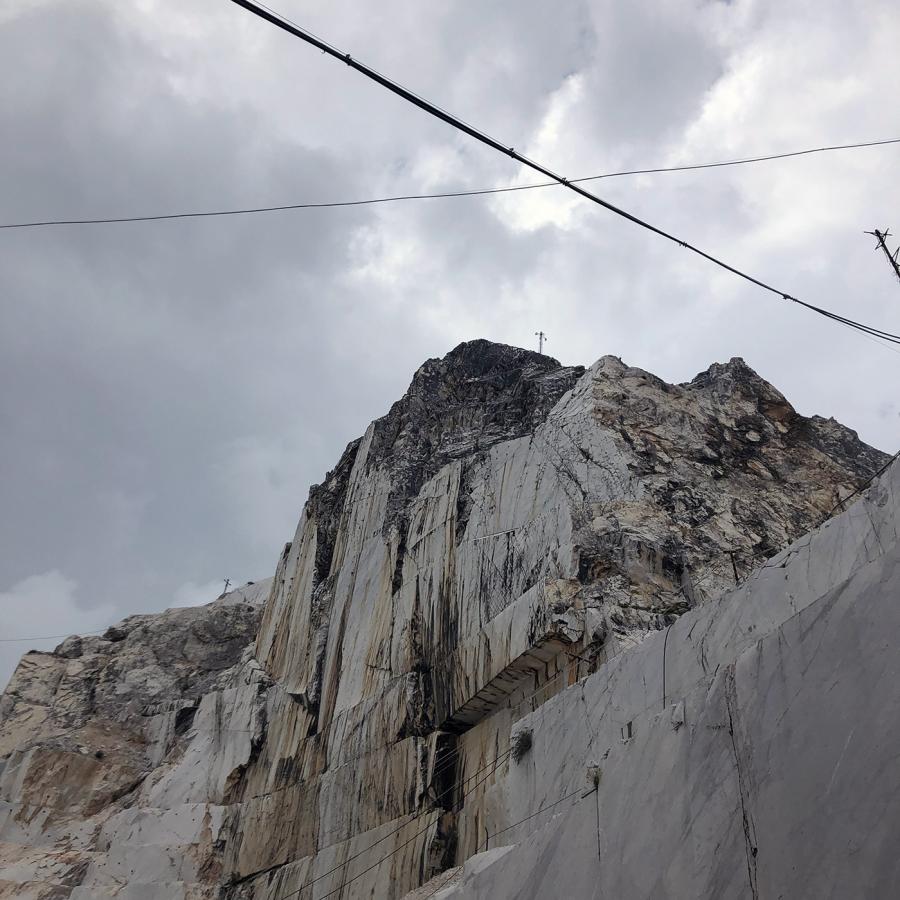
(171, 389)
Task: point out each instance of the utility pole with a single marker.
(541, 338)
(881, 237)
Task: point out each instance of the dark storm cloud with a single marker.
(138, 358)
(171, 389)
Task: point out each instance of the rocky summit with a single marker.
(544, 631)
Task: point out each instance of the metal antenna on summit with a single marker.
(881, 237)
(541, 338)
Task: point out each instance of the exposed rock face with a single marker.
(746, 752)
(508, 528)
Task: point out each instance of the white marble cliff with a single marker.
(543, 632)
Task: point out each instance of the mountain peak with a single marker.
(481, 356)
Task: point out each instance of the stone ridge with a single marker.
(842, 444)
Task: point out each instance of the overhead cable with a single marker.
(862, 487)
(53, 637)
(483, 845)
(493, 765)
(457, 123)
(479, 192)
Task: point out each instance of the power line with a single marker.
(54, 637)
(457, 123)
(496, 763)
(406, 843)
(861, 488)
(484, 843)
(446, 764)
(445, 194)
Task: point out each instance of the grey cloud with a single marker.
(171, 389)
(652, 65)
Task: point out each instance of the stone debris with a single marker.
(516, 566)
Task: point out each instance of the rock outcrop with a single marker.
(492, 560)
